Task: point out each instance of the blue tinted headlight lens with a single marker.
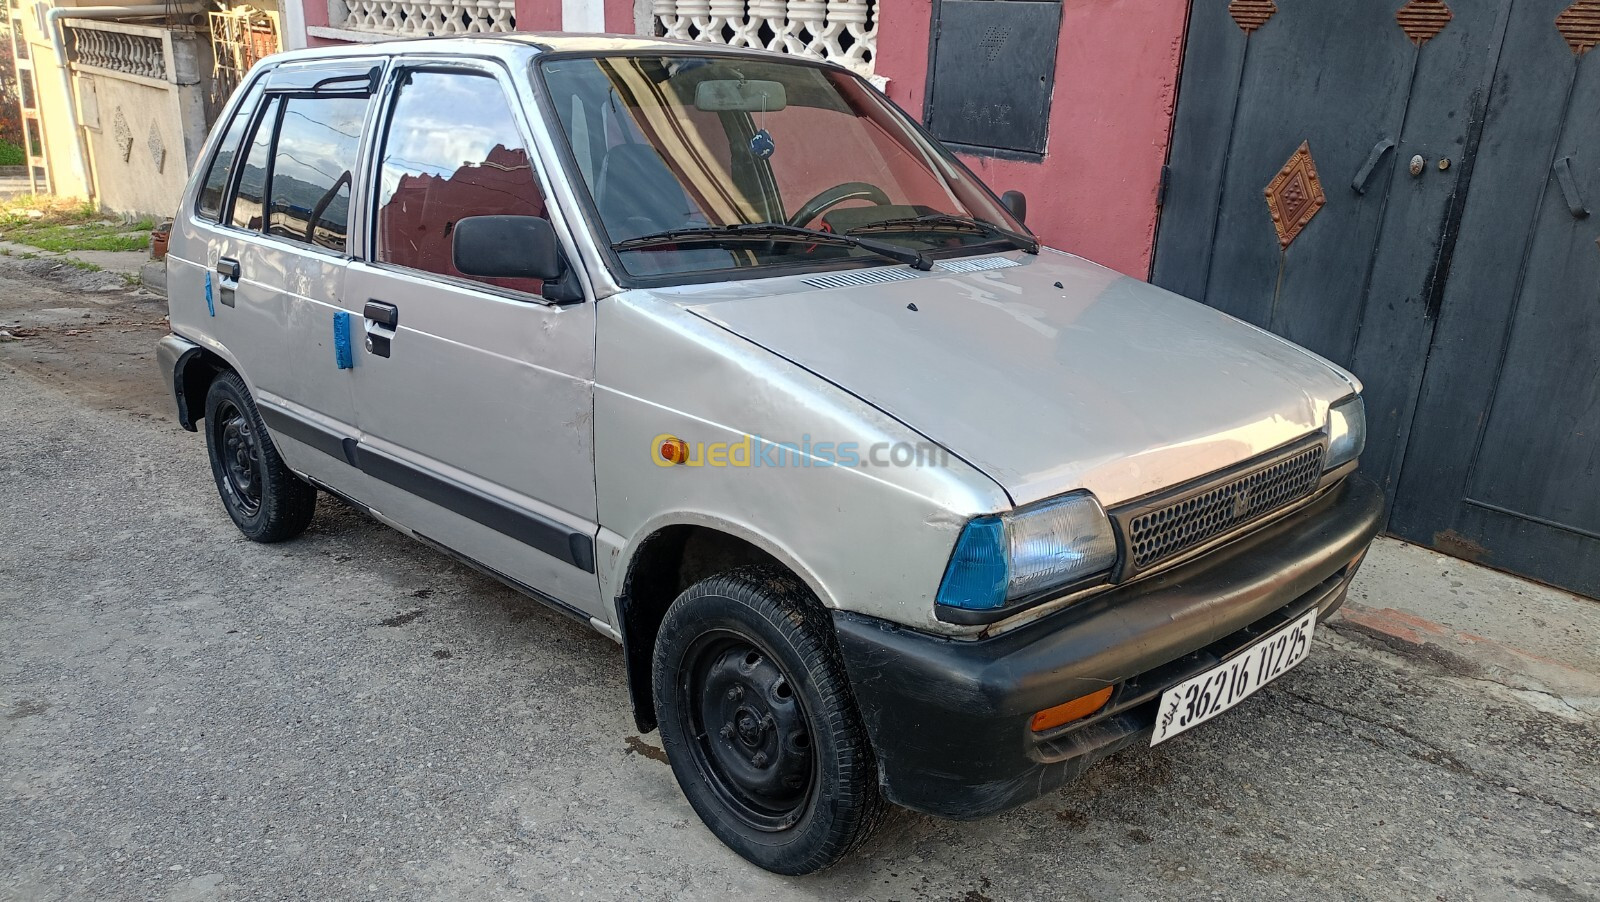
(977, 576)
(1028, 552)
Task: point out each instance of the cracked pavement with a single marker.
(189, 716)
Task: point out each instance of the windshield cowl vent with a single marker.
(979, 264)
(861, 277)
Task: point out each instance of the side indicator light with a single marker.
(1080, 707)
(674, 450)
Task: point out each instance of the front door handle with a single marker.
(382, 319)
(227, 280)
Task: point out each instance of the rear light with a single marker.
(1078, 708)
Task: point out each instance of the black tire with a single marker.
(758, 722)
(265, 499)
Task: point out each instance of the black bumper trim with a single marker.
(950, 718)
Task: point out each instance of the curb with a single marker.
(1471, 656)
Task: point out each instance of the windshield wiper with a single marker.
(775, 231)
(1022, 242)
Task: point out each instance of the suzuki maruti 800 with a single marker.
(720, 353)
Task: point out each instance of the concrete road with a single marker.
(185, 715)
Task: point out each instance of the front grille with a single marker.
(1165, 532)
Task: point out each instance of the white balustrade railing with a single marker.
(116, 51)
(426, 17)
(842, 31)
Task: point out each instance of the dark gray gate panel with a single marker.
(1413, 259)
(1201, 128)
(993, 73)
(1504, 461)
(1334, 75)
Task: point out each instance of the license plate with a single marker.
(1198, 699)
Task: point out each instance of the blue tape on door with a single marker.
(210, 307)
(341, 340)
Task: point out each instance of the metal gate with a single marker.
(1405, 188)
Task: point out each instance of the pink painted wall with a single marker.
(1117, 63)
(619, 16)
(538, 15)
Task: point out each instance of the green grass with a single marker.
(66, 226)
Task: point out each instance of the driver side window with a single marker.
(453, 149)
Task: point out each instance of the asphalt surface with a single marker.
(185, 715)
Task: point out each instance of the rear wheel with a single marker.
(758, 722)
(265, 499)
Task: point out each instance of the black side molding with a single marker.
(301, 431)
(530, 528)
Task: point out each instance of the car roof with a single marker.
(517, 43)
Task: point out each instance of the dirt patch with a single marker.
(637, 746)
(402, 619)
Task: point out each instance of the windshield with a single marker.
(676, 151)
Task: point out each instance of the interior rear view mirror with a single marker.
(1016, 203)
(725, 95)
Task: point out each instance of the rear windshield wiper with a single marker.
(775, 231)
(935, 220)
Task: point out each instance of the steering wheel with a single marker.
(836, 195)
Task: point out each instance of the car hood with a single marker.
(1048, 373)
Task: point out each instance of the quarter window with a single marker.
(453, 149)
(247, 198)
(210, 204)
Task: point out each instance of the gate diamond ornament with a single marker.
(1422, 19)
(1251, 14)
(1295, 195)
(1580, 25)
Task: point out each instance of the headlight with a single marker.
(1347, 431)
(1006, 558)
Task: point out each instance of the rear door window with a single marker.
(313, 169)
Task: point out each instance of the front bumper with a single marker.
(950, 719)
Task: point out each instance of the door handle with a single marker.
(383, 314)
(1569, 189)
(1363, 178)
(382, 319)
(227, 280)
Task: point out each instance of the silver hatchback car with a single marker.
(719, 352)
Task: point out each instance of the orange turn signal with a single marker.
(674, 450)
(1083, 706)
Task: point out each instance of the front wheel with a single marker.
(758, 722)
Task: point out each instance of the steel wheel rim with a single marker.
(239, 449)
(749, 736)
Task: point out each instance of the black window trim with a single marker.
(590, 213)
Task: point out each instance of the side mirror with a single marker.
(507, 247)
(1016, 203)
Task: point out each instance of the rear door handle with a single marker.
(227, 280)
(382, 319)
